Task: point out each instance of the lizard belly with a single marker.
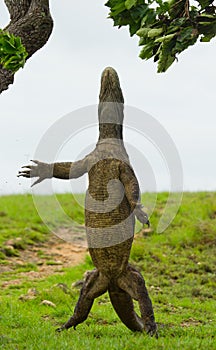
(112, 261)
(108, 216)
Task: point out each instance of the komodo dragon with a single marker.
(112, 202)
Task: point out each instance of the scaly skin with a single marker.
(112, 202)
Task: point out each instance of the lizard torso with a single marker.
(109, 219)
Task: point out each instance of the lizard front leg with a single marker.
(95, 285)
(61, 170)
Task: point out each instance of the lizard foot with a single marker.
(151, 329)
(60, 329)
(63, 327)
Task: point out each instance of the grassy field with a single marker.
(179, 267)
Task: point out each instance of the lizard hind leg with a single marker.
(123, 306)
(133, 283)
(95, 285)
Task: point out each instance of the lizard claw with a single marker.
(148, 223)
(142, 216)
(151, 329)
(60, 329)
(37, 181)
(24, 173)
(35, 161)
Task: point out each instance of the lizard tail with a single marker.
(123, 306)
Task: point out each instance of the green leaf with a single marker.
(185, 34)
(18, 42)
(206, 18)
(163, 8)
(155, 32)
(118, 9)
(138, 12)
(205, 3)
(177, 8)
(8, 48)
(165, 38)
(147, 51)
(165, 61)
(165, 28)
(130, 3)
(143, 32)
(143, 41)
(207, 29)
(133, 28)
(12, 53)
(11, 60)
(207, 38)
(179, 21)
(149, 18)
(188, 36)
(166, 58)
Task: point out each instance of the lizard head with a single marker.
(110, 87)
(111, 105)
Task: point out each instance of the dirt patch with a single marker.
(47, 258)
(191, 322)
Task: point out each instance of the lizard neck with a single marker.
(111, 106)
(111, 115)
(110, 131)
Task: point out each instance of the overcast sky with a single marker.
(65, 75)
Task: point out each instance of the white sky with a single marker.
(65, 75)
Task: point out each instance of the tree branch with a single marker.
(32, 22)
(17, 9)
(6, 78)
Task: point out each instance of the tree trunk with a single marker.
(32, 22)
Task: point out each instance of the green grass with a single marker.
(20, 221)
(179, 267)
